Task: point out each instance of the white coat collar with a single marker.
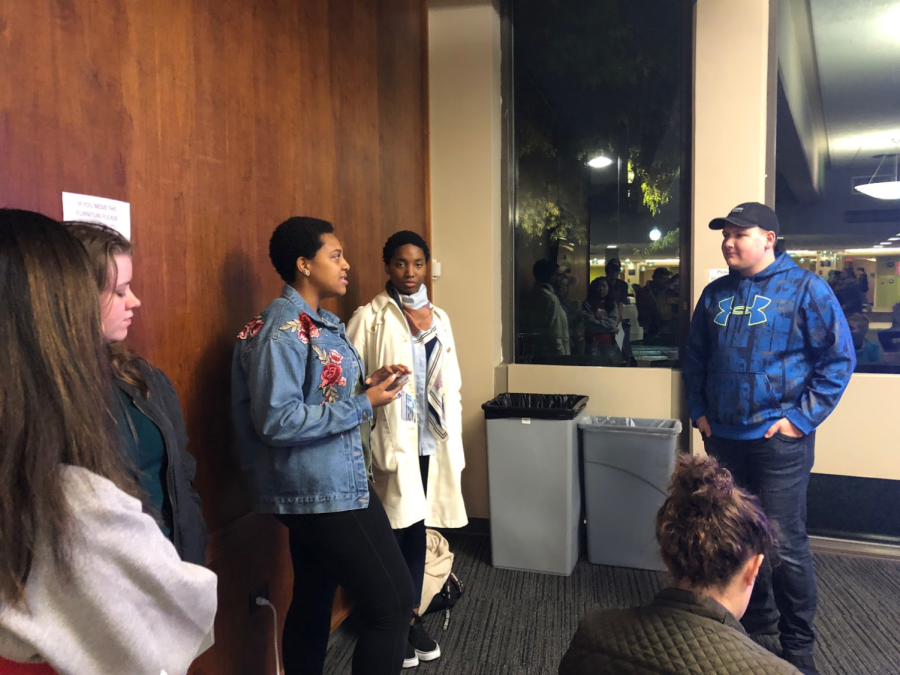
(383, 303)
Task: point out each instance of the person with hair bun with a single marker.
(713, 537)
(417, 449)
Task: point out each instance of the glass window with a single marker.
(837, 193)
(600, 104)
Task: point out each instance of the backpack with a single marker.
(444, 601)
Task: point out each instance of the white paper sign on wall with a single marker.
(716, 273)
(110, 212)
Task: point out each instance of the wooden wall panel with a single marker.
(217, 119)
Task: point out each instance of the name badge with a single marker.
(408, 412)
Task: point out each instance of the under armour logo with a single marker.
(755, 311)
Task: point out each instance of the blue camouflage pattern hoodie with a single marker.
(767, 346)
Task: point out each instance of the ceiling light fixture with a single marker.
(884, 189)
(890, 22)
(599, 162)
(874, 249)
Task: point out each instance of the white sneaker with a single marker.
(426, 649)
(411, 660)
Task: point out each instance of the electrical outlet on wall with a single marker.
(261, 592)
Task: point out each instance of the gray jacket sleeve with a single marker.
(129, 606)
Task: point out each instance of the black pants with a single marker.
(777, 471)
(357, 550)
(412, 543)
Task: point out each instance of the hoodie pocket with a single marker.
(741, 398)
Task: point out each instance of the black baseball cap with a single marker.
(749, 214)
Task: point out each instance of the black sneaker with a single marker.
(426, 649)
(411, 660)
(802, 662)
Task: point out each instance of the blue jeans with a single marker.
(777, 471)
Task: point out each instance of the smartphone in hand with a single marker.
(399, 382)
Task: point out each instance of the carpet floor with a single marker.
(520, 623)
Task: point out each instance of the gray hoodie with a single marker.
(130, 607)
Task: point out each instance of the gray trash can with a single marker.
(535, 499)
(628, 463)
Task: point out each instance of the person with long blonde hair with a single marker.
(148, 412)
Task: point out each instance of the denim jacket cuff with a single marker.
(363, 408)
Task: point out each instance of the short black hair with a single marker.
(544, 269)
(661, 271)
(400, 239)
(614, 262)
(297, 237)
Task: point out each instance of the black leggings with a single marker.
(357, 550)
(412, 543)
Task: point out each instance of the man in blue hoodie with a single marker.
(769, 355)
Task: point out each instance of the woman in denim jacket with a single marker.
(303, 415)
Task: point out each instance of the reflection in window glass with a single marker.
(598, 143)
(838, 135)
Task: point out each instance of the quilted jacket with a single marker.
(679, 633)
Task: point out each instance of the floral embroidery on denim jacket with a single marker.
(252, 329)
(300, 456)
(303, 326)
(332, 373)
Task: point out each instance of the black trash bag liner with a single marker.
(537, 406)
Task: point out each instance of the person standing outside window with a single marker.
(417, 450)
(544, 326)
(601, 319)
(618, 289)
(768, 357)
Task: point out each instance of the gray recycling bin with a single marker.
(628, 463)
(535, 498)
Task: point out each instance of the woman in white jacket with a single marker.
(417, 452)
(88, 582)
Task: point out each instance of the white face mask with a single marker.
(417, 300)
